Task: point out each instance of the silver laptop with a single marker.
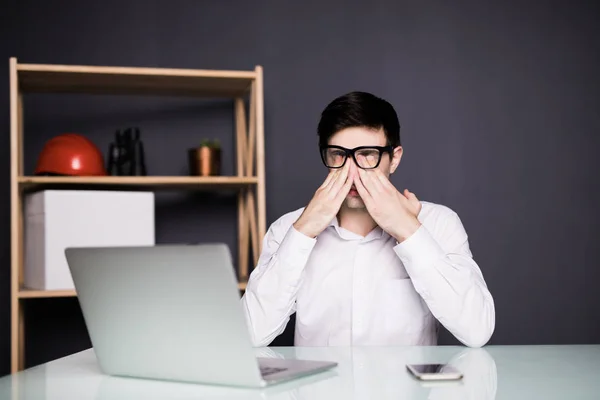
(172, 312)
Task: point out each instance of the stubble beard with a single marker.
(354, 203)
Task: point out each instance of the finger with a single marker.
(339, 180)
(384, 180)
(409, 195)
(337, 173)
(413, 202)
(412, 198)
(343, 192)
(359, 180)
(328, 179)
(362, 191)
(370, 182)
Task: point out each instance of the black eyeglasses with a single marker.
(365, 157)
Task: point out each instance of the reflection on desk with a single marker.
(549, 372)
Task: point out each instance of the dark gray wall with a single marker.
(498, 104)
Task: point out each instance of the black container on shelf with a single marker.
(126, 154)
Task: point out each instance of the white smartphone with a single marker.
(435, 372)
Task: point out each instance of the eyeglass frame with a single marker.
(351, 152)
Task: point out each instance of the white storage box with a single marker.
(57, 219)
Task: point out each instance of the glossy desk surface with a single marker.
(494, 372)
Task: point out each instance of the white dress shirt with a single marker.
(347, 289)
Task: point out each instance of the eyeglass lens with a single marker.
(365, 158)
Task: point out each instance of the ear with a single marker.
(396, 157)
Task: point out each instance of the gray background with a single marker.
(499, 106)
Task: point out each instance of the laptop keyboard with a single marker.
(270, 370)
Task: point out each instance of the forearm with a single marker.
(270, 296)
(452, 286)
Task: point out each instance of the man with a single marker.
(362, 263)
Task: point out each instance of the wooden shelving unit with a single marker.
(244, 88)
(33, 183)
(25, 293)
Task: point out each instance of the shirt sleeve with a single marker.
(443, 272)
(270, 296)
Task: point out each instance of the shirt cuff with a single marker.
(295, 248)
(419, 252)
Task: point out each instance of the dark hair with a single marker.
(359, 109)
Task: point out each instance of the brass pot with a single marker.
(204, 161)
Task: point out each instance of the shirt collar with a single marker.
(376, 233)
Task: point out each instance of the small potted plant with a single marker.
(205, 160)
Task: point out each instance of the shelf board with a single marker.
(32, 183)
(25, 293)
(42, 78)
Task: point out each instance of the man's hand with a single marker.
(326, 202)
(394, 212)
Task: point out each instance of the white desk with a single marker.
(513, 372)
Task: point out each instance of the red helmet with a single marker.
(70, 154)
